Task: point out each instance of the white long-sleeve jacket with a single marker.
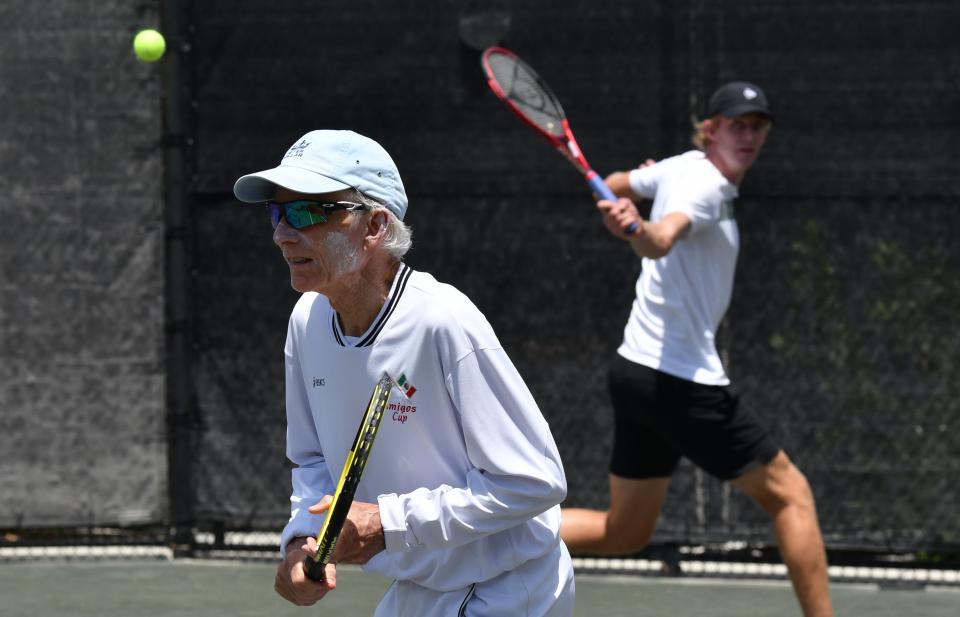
(464, 469)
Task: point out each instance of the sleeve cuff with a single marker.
(299, 526)
(397, 537)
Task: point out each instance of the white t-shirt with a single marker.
(682, 296)
(466, 472)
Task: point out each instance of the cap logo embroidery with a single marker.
(297, 150)
(749, 93)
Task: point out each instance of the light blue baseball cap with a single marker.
(326, 161)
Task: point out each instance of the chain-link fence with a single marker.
(841, 334)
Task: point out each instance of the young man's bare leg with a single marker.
(625, 528)
(783, 491)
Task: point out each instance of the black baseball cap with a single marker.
(738, 98)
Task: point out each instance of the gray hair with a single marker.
(399, 236)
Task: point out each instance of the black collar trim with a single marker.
(399, 286)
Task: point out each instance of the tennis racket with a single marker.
(349, 479)
(532, 100)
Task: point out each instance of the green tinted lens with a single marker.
(303, 213)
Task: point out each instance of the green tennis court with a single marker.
(240, 589)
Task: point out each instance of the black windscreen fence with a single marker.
(842, 333)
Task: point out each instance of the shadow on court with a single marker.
(219, 588)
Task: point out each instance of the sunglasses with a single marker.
(302, 213)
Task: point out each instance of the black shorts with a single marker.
(659, 418)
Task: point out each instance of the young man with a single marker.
(667, 383)
(459, 499)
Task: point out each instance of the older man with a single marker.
(459, 500)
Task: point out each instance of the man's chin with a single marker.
(299, 284)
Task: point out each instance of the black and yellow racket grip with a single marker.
(349, 479)
(327, 541)
(313, 568)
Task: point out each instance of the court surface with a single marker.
(239, 589)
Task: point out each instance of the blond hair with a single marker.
(699, 138)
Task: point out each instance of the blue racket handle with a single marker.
(600, 188)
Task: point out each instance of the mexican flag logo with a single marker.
(408, 388)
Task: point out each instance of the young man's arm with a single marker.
(653, 240)
(619, 182)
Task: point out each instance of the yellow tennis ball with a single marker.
(149, 45)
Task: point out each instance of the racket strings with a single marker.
(529, 94)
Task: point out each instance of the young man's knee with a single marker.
(792, 490)
(631, 537)
(641, 542)
(796, 484)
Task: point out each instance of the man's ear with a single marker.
(376, 225)
(710, 126)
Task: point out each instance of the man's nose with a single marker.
(284, 233)
(752, 133)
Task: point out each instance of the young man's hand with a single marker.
(619, 215)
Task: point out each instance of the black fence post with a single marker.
(181, 399)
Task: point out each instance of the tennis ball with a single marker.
(149, 45)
